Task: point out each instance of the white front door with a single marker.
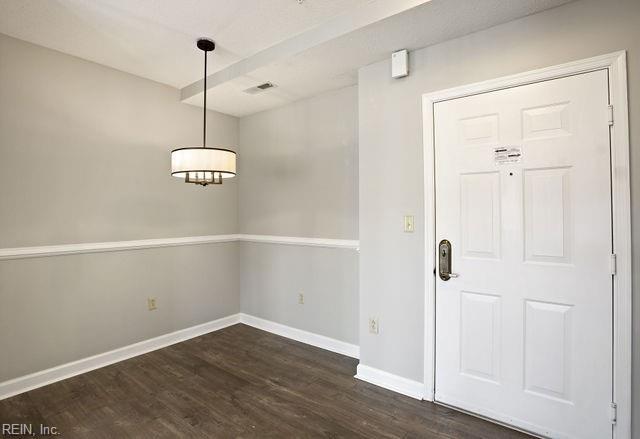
(523, 194)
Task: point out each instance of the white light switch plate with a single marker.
(408, 223)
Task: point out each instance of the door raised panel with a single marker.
(548, 349)
(479, 130)
(547, 215)
(480, 335)
(546, 122)
(480, 214)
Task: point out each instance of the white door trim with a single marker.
(616, 64)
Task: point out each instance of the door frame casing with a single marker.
(616, 65)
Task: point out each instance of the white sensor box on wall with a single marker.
(399, 64)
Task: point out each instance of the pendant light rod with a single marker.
(206, 45)
(204, 123)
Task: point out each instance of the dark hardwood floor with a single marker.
(237, 382)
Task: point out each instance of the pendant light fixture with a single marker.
(200, 164)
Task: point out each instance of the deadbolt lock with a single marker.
(444, 260)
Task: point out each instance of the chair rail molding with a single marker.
(139, 244)
(309, 242)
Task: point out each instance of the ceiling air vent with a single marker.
(259, 88)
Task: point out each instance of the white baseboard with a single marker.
(405, 386)
(310, 338)
(58, 373)
(68, 370)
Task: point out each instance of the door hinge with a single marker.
(610, 114)
(613, 413)
(614, 264)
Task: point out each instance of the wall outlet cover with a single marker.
(151, 303)
(374, 327)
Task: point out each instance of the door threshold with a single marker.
(488, 419)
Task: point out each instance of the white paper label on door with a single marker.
(507, 154)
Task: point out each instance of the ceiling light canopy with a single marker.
(200, 164)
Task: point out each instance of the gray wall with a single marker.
(85, 157)
(299, 177)
(392, 262)
(54, 310)
(299, 167)
(86, 154)
(273, 275)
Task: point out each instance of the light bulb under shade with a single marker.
(196, 159)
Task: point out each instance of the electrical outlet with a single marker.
(408, 224)
(151, 303)
(374, 328)
(301, 298)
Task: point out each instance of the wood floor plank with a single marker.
(239, 382)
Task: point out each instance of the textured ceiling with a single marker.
(155, 39)
(335, 63)
(332, 38)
